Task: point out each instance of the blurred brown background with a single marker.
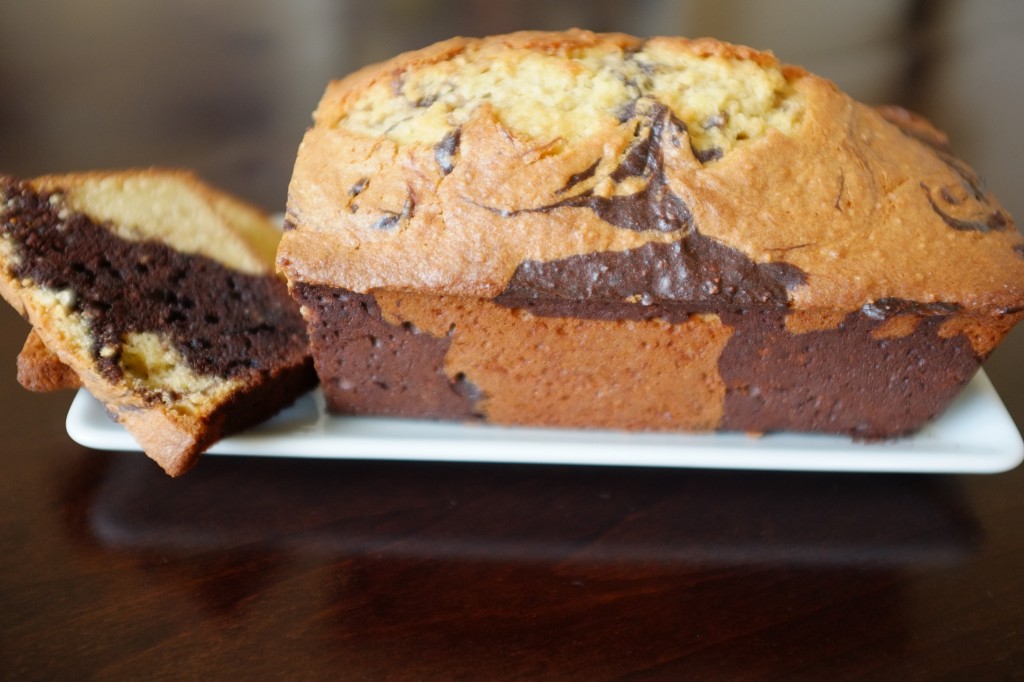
(305, 569)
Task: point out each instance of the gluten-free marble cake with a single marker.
(158, 294)
(583, 230)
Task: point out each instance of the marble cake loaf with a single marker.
(158, 294)
(583, 230)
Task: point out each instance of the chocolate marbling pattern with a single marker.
(655, 207)
(367, 365)
(694, 270)
(982, 215)
(223, 322)
(840, 380)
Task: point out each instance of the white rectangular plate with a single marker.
(976, 435)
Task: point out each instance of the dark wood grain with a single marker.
(258, 568)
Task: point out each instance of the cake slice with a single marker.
(158, 294)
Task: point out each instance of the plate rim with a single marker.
(952, 443)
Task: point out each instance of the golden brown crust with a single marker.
(985, 332)
(41, 371)
(850, 197)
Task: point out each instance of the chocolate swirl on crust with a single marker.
(655, 207)
(973, 213)
(446, 149)
(994, 221)
(577, 178)
(223, 322)
(696, 270)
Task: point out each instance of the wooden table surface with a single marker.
(262, 568)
